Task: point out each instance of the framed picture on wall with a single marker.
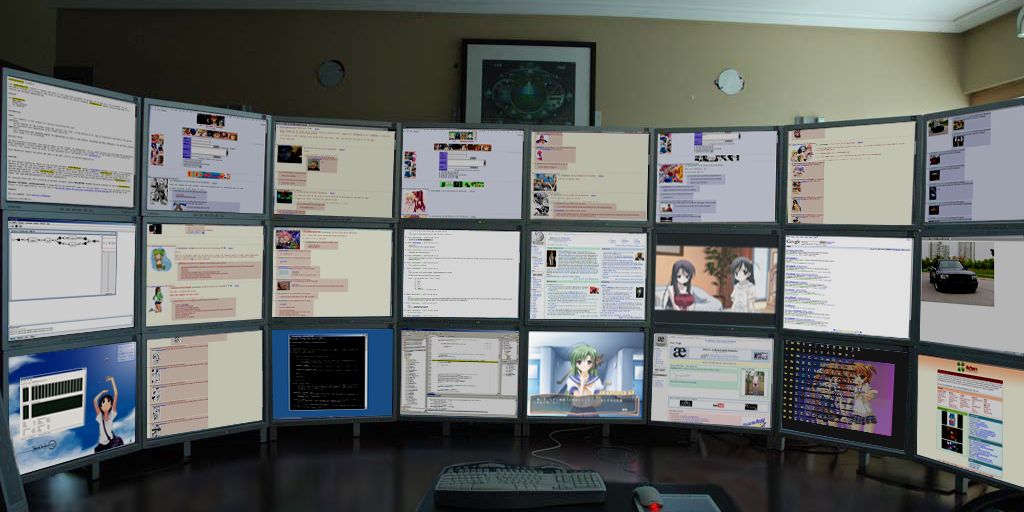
(528, 82)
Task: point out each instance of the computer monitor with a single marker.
(967, 155)
(585, 375)
(588, 276)
(724, 381)
(69, 405)
(462, 173)
(332, 272)
(846, 393)
(66, 277)
(333, 170)
(68, 144)
(721, 279)
(198, 273)
(332, 374)
(962, 303)
(717, 176)
(848, 285)
(588, 175)
(966, 415)
(856, 174)
(203, 382)
(460, 273)
(471, 374)
(204, 159)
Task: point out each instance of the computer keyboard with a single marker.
(497, 486)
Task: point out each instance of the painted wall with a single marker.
(993, 55)
(29, 34)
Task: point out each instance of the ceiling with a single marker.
(914, 15)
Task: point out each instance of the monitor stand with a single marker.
(10, 478)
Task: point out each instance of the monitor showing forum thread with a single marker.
(968, 156)
(460, 273)
(205, 162)
(584, 275)
(323, 272)
(717, 176)
(329, 170)
(851, 174)
(197, 383)
(68, 147)
(203, 273)
(69, 277)
(589, 175)
(851, 285)
(462, 173)
(460, 373)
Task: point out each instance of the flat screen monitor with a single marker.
(332, 272)
(199, 273)
(717, 176)
(968, 156)
(68, 405)
(588, 175)
(962, 302)
(69, 277)
(845, 392)
(205, 161)
(861, 174)
(730, 279)
(849, 285)
(722, 381)
(588, 276)
(450, 173)
(966, 415)
(460, 373)
(203, 382)
(64, 145)
(334, 171)
(585, 375)
(460, 273)
(334, 374)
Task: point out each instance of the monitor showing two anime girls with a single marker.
(716, 279)
(586, 375)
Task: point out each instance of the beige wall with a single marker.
(992, 54)
(403, 66)
(29, 34)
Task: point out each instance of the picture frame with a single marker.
(528, 82)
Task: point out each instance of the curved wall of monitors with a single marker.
(274, 271)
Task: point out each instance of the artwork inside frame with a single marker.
(528, 82)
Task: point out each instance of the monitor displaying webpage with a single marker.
(450, 173)
(588, 175)
(850, 285)
(585, 375)
(330, 170)
(967, 161)
(203, 273)
(205, 162)
(332, 373)
(585, 275)
(197, 383)
(65, 146)
(460, 273)
(69, 277)
(712, 380)
(69, 405)
(965, 416)
(717, 176)
(844, 392)
(729, 279)
(851, 174)
(332, 272)
(460, 373)
(962, 302)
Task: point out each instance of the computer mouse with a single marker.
(647, 496)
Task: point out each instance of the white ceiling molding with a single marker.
(916, 15)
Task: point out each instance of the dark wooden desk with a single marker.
(620, 499)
